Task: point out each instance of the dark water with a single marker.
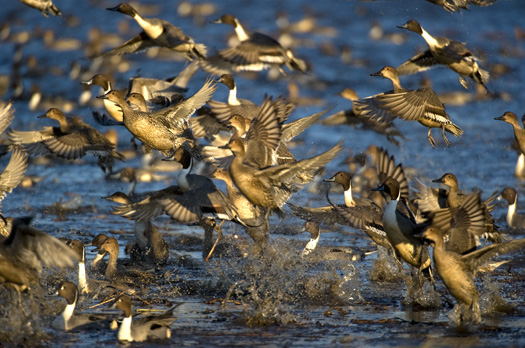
(286, 302)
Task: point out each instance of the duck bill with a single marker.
(380, 188)
(103, 96)
(439, 181)
(379, 73)
(499, 118)
(116, 8)
(87, 83)
(404, 26)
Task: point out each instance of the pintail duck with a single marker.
(97, 242)
(519, 132)
(401, 229)
(315, 233)
(458, 271)
(195, 199)
(462, 226)
(12, 176)
(234, 106)
(114, 273)
(454, 199)
(514, 220)
(458, 5)
(151, 88)
(421, 105)
(167, 129)
(86, 284)
(46, 7)
(246, 210)
(71, 140)
(328, 253)
(361, 213)
(252, 171)
(7, 114)
(69, 320)
(222, 157)
(270, 187)
(103, 82)
(152, 327)
(23, 253)
(327, 214)
(351, 118)
(442, 50)
(257, 51)
(156, 33)
(152, 247)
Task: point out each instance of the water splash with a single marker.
(273, 286)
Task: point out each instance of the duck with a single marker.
(270, 187)
(313, 253)
(153, 249)
(444, 51)
(461, 226)
(152, 327)
(351, 118)
(97, 242)
(454, 199)
(256, 51)
(367, 214)
(313, 229)
(248, 212)
(68, 320)
(361, 213)
(72, 139)
(235, 106)
(420, 105)
(457, 271)
(46, 7)
(86, 285)
(116, 273)
(458, 5)
(401, 229)
(328, 214)
(104, 82)
(222, 157)
(514, 220)
(12, 176)
(152, 87)
(167, 129)
(252, 171)
(7, 114)
(519, 132)
(156, 33)
(194, 199)
(25, 251)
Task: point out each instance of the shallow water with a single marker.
(285, 301)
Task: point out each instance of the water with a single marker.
(284, 300)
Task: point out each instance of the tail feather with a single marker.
(455, 130)
(200, 51)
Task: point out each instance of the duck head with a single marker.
(412, 25)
